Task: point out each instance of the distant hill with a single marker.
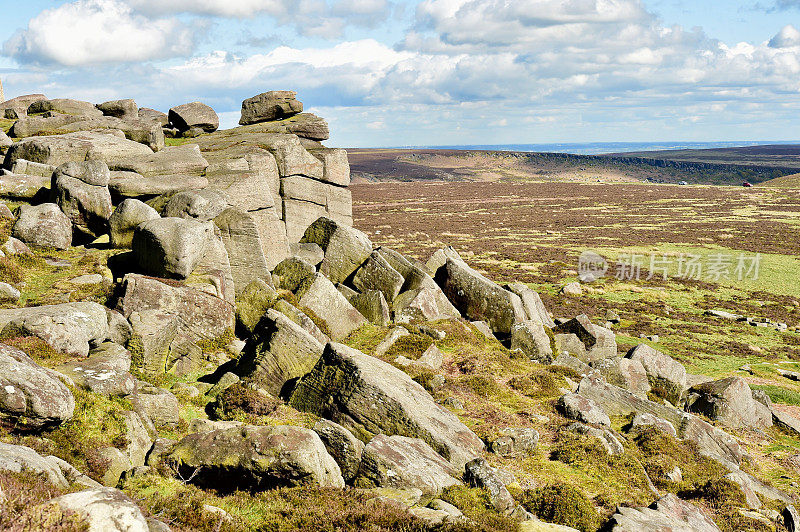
(718, 166)
(787, 181)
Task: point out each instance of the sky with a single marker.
(431, 72)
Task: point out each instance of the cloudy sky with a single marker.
(402, 72)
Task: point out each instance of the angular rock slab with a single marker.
(31, 397)
(272, 105)
(329, 304)
(194, 115)
(370, 397)
(345, 448)
(402, 463)
(186, 315)
(345, 248)
(257, 458)
(76, 147)
(279, 352)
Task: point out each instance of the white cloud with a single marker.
(788, 37)
(89, 32)
(319, 18)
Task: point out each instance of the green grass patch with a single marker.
(778, 394)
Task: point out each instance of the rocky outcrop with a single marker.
(531, 338)
(256, 458)
(105, 372)
(31, 397)
(370, 397)
(345, 248)
(76, 147)
(319, 295)
(18, 458)
(594, 342)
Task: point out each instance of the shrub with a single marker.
(410, 346)
(241, 403)
(477, 507)
(21, 507)
(483, 385)
(564, 505)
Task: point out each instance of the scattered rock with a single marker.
(730, 402)
(18, 458)
(514, 440)
(649, 420)
(401, 462)
(345, 248)
(667, 377)
(575, 406)
(478, 473)
(605, 437)
(531, 338)
(8, 294)
(572, 289)
(597, 342)
(321, 297)
(158, 404)
(105, 509)
(667, 513)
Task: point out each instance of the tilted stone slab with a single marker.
(371, 397)
(479, 298)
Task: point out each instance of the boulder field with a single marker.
(238, 335)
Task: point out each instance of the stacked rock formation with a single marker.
(269, 179)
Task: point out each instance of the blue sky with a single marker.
(430, 72)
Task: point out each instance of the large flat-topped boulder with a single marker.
(371, 397)
(181, 160)
(125, 184)
(304, 125)
(272, 105)
(66, 327)
(75, 147)
(257, 458)
(65, 106)
(22, 186)
(125, 109)
(143, 131)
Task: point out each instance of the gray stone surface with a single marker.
(171, 247)
(666, 375)
(329, 304)
(194, 115)
(43, 225)
(128, 214)
(105, 509)
(272, 105)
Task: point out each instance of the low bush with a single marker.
(564, 505)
